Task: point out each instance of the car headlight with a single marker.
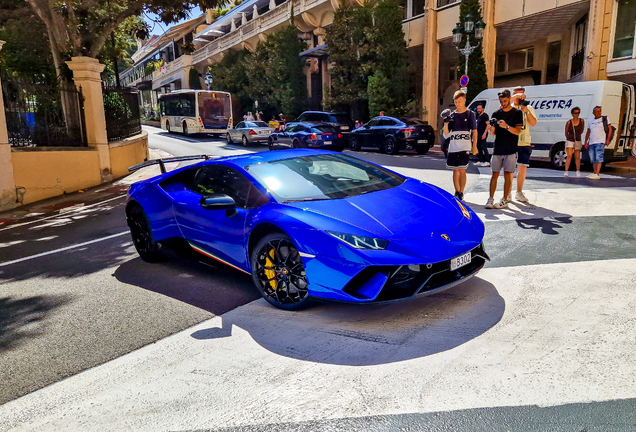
(360, 242)
(464, 209)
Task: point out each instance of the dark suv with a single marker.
(340, 120)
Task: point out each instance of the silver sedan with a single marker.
(249, 132)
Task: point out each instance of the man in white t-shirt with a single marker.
(599, 134)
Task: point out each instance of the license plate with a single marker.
(460, 261)
(422, 141)
(327, 142)
(264, 132)
(344, 127)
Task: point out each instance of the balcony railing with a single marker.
(441, 3)
(577, 63)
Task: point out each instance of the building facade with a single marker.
(526, 42)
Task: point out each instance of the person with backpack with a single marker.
(599, 134)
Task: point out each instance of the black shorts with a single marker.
(457, 160)
(523, 155)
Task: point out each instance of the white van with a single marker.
(552, 104)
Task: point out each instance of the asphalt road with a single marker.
(541, 340)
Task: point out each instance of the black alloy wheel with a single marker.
(270, 144)
(228, 138)
(353, 143)
(558, 156)
(295, 144)
(278, 272)
(390, 145)
(168, 127)
(148, 249)
(245, 141)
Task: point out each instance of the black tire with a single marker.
(270, 144)
(558, 156)
(278, 272)
(245, 141)
(228, 138)
(390, 145)
(148, 249)
(185, 129)
(168, 126)
(295, 144)
(354, 145)
(422, 150)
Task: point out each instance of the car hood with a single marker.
(412, 210)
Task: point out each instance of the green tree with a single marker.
(194, 80)
(476, 63)
(275, 71)
(230, 75)
(24, 54)
(119, 47)
(351, 57)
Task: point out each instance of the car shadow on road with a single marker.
(364, 335)
(216, 290)
(527, 216)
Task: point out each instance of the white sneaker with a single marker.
(509, 197)
(485, 164)
(490, 204)
(578, 173)
(521, 197)
(566, 174)
(502, 204)
(594, 176)
(478, 164)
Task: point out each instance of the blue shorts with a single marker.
(523, 155)
(597, 152)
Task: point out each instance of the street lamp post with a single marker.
(469, 28)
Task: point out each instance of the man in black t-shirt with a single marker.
(505, 125)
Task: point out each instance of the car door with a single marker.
(285, 139)
(218, 234)
(386, 126)
(236, 132)
(365, 133)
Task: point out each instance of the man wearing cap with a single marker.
(524, 149)
(505, 125)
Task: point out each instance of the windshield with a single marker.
(323, 129)
(258, 124)
(322, 177)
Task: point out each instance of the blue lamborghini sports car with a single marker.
(310, 224)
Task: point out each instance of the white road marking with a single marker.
(75, 208)
(7, 263)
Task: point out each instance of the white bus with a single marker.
(196, 111)
(552, 104)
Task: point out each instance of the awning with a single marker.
(321, 51)
(144, 85)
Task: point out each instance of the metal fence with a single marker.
(121, 107)
(40, 114)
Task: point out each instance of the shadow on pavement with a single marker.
(19, 318)
(212, 289)
(363, 335)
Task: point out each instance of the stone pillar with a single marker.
(430, 67)
(489, 44)
(7, 181)
(598, 37)
(86, 72)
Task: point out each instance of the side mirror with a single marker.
(217, 202)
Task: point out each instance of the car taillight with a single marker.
(339, 135)
(229, 124)
(312, 136)
(407, 132)
(253, 132)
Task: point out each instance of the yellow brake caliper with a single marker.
(270, 274)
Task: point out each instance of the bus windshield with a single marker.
(215, 110)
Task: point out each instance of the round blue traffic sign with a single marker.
(463, 81)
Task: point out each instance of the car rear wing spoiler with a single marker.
(162, 162)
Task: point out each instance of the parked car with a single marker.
(249, 132)
(392, 135)
(309, 224)
(307, 135)
(339, 120)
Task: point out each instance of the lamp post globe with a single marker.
(480, 26)
(457, 34)
(469, 23)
